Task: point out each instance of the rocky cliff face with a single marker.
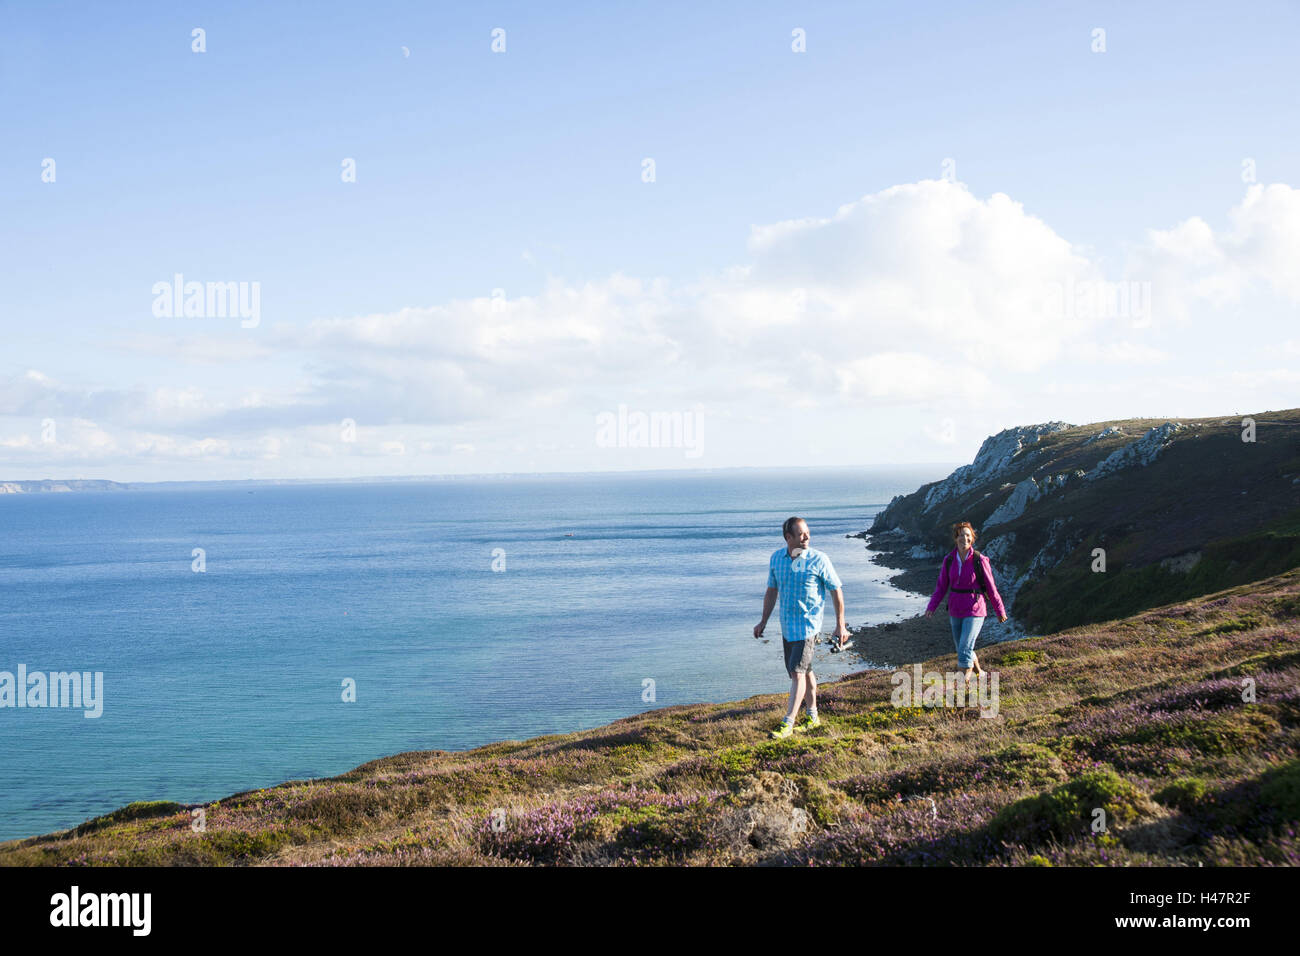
(998, 455)
(1137, 453)
(1104, 519)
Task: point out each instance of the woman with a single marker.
(968, 580)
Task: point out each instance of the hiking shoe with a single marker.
(782, 731)
(811, 723)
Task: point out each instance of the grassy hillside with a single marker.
(1207, 511)
(1141, 718)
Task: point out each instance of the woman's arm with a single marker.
(994, 596)
(940, 589)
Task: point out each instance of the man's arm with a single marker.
(769, 602)
(841, 632)
(831, 581)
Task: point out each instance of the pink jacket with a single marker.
(965, 605)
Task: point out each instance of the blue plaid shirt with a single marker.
(801, 586)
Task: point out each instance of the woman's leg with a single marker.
(955, 623)
(970, 626)
(974, 623)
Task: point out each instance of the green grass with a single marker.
(1022, 657)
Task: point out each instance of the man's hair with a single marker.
(788, 527)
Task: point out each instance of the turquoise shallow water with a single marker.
(231, 679)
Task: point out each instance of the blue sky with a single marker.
(521, 171)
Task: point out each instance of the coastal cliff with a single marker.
(53, 486)
(1086, 523)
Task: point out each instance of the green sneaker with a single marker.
(782, 731)
(811, 723)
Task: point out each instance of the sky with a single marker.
(516, 237)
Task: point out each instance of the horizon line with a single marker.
(445, 476)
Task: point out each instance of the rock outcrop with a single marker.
(994, 458)
(1014, 506)
(1182, 499)
(1143, 451)
(1105, 433)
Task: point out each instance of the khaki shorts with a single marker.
(798, 656)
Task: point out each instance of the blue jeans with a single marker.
(964, 632)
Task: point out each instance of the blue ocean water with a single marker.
(232, 678)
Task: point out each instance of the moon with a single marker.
(406, 51)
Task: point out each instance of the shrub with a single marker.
(1030, 765)
(132, 811)
(1067, 811)
(1185, 793)
(1279, 789)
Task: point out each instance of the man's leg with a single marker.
(812, 691)
(796, 695)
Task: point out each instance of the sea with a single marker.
(250, 634)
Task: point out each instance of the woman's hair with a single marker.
(957, 529)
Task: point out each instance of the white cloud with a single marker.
(198, 349)
(944, 431)
(67, 440)
(1192, 267)
(923, 267)
(911, 377)
(184, 409)
(1128, 353)
(1265, 237)
(914, 296)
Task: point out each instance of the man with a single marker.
(799, 576)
